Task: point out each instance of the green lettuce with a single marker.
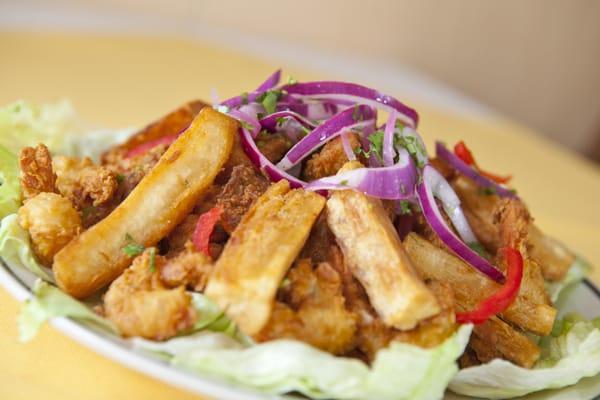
(10, 189)
(401, 371)
(574, 353)
(48, 302)
(15, 248)
(575, 275)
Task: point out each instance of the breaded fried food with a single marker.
(552, 256)
(140, 304)
(51, 221)
(162, 199)
(260, 252)
(330, 159)
(373, 251)
(189, 268)
(173, 123)
(37, 175)
(470, 286)
(496, 339)
(311, 308)
(83, 182)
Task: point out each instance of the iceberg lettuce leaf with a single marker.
(401, 371)
(48, 302)
(10, 188)
(15, 248)
(573, 354)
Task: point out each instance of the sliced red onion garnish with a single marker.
(352, 118)
(329, 90)
(431, 212)
(388, 139)
(465, 169)
(347, 147)
(270, 82)
(258, 159)
(270, 122)
(393, 183)
(246, 119)
(316, 111)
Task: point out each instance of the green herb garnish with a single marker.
(244, 98)
(405, 208)
(479, 249)
(488, 191)
(120, 178)
(269, 101)
(132, 248)
(152, 259)
(413, 146)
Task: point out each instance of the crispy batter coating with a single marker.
(244, 186)
(51, 222)
(273, 146)
(84, 183)
(311, 308)
(189, 268)
(330, 159)
(37, 174)
(140, 304)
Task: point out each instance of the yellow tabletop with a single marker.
(128, 81)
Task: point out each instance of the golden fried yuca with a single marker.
(554, 258)
(153, 208)
(259, 253)
(374, 253)
(471, 286)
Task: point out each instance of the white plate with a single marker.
(584, 299)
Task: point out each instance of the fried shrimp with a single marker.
(139, 303)
(84, 183)
(37, 174)
(51, 222)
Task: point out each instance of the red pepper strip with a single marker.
(503, 297)
(204, 228)
(462, 151)
(144, 147)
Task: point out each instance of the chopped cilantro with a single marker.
(244, 97)
(269, 100)
(246, 125)
(88, 212)
(404, 206)
(413, 146)
(488, 191)
(356, 113)
(305, 131)
(376, 145)
(285, 282)
(120, 178)
(479, 249)
(153, 259)
(132, 248)
(280, 121)
(344, 182)
(291, 80)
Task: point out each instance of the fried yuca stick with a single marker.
(471, 286)
(159, 202)
(554, 258)
(374, 254)
(259, 253)
(496, 339)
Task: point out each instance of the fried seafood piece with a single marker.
(273, 146)
(311, 308)
(259, 253)
(470, 286)
(496, 339)
(51, 221)
(83, 182)
(244, 186)
(373, 251)
(189, 268)
(37, 175)
(171, 124)
(161, 201)
(330, 159)
(139, 303)
(552, 256)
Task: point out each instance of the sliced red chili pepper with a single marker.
(503, 297)
(144, 147)
(462, 151)
(204, 228)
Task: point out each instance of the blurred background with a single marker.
(534, 61)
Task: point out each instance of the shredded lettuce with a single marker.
(15, 248)
(401, 371)
(10, 189)
(566, 358)
(48, 302)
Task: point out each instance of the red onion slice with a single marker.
(330, 90)
(316, 111)
(465, 169)
(270, 122)
(393, 183)
(347, 147)
(431, 212)
(351, 118)
(388, 139)
(270, 82)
